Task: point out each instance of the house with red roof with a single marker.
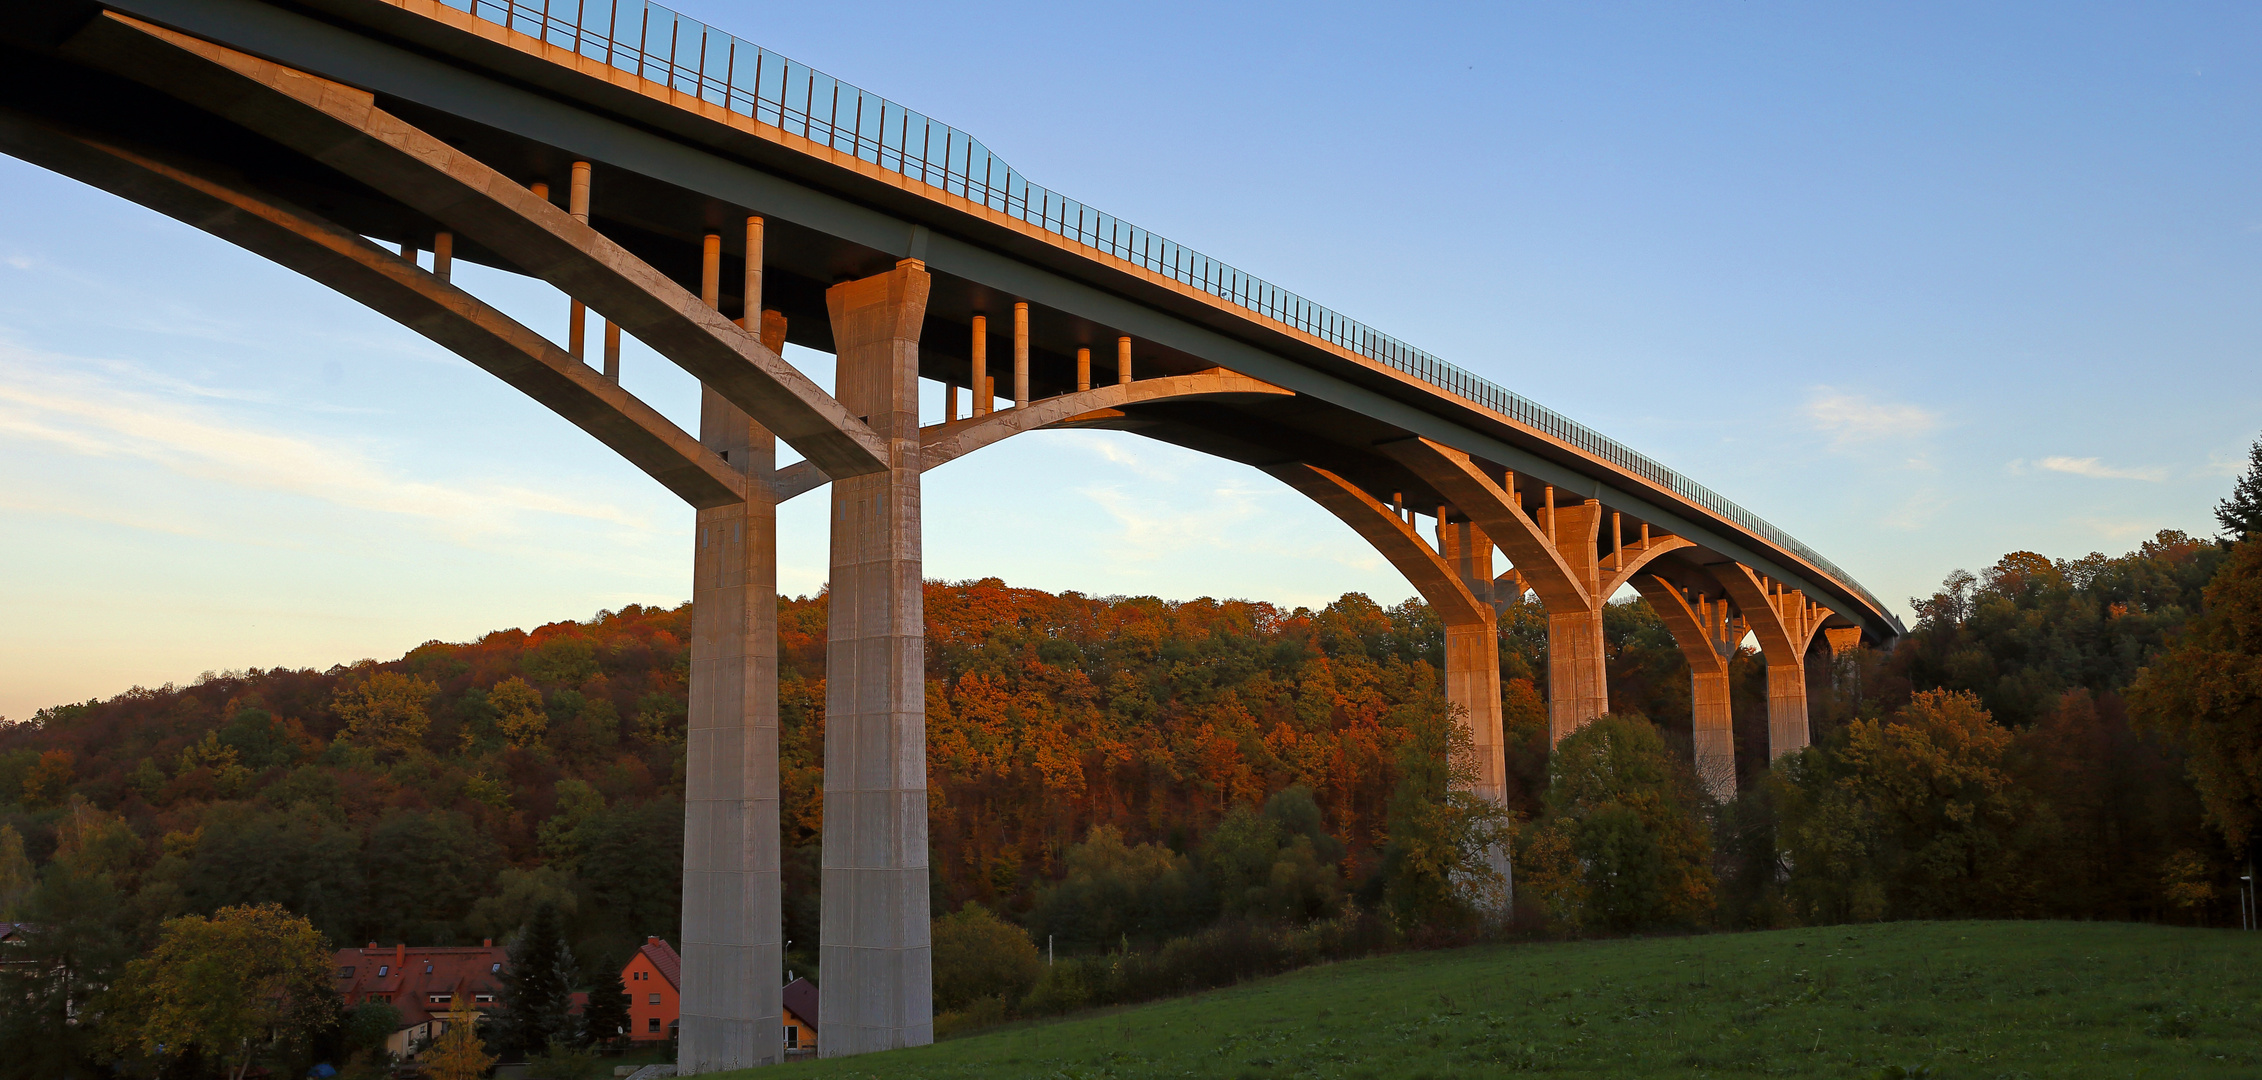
(654, 979)
(421, 984)
(800, 1019)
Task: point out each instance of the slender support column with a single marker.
(950, 402)
(443, 254)
(733, 939)
(1578, 686)
(577, 319)
(877, 993)
(751, 289)
(1020, 354)
(612, 351)
(981, 387)
(1083, 370)
(1123, 359)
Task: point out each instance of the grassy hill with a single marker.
(1969, 999)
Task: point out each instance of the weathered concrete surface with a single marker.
(342, 126)
(877, 993)
(733, 933)
(424, 302)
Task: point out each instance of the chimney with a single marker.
(653, 940)
(400, 955)
(372, 944)
(486, 943)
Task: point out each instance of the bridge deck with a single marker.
(688, 125)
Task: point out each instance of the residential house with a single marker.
(421, 984)
(800, 1019)
(654, 980)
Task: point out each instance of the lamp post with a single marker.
(2246, 901)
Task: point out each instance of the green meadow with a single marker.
(1961, 999)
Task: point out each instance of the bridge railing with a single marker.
(694, 58)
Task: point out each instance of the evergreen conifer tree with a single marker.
(2241, 514)
(537, 990)
(605, 1019)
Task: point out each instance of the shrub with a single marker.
(978, 956)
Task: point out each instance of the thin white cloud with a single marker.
(1850, 418)
(98, 410)
(2096, 470)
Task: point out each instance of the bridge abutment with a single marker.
(877, 991)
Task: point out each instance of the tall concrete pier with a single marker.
(733, 948)
(877, 993)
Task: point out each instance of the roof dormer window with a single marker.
(428, 967)
(383, 970)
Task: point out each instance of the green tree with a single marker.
(605, 1019)
(537, 991)
(515, 897)
(1915, 816)
(229, 986)
(2205, 693)
(631, 868)
(1625, 844)
(297, 857)
(1279, 863)
(1440, 862)
(2241, 513)
(79, 939)
(16, 874)
(424, 871)
(363, 1034)
(1115, 891)
(978, 955)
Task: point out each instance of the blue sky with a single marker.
(1920, 284)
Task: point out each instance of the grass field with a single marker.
(1968, 999)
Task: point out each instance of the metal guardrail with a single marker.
(691, 57)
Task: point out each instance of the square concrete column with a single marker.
(1472, 656)
(1578, 685)
(733, 954)
(1786, 706)
(877, 992)
(1714, 722)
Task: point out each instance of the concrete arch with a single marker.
(398, 289)
(1786, 624)
(1707, 636)
(342, 127)
(942, 443)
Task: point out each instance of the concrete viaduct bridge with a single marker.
(716, 200)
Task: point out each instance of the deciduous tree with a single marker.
(2206, 693)
(231, 985)
(386, 711)
(458, 1054)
